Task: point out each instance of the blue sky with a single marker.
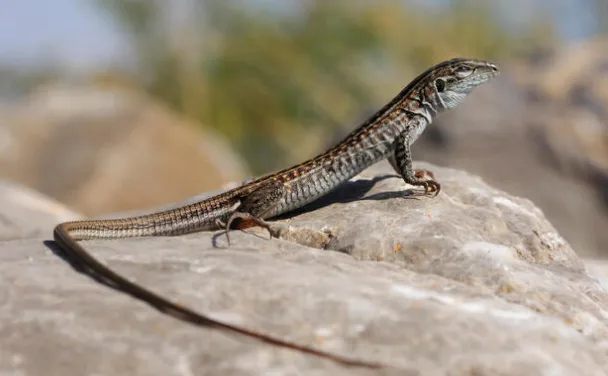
(76, 34)
(69, 31)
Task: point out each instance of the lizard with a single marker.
(387, 134)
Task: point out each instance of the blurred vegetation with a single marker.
(602, 15)
(275, 82)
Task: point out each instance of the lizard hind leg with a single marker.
(255, 205)
(249, 221)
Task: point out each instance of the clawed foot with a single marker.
(247, 220)
(426, 180)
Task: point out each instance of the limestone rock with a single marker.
(101, 150)
(598, 269)
(474, 281)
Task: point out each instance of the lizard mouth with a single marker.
(494, 69)
(485, 73)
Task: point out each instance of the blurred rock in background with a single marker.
(102, 150)
(569, 112)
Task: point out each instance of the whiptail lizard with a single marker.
(387, 134)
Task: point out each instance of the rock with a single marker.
(560, 75)
(537, 136)
(598, 269)
(101, 150)
(569, 112)
(25, 213)
(474, 281)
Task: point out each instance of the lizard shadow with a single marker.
(75, 264)
(349, 192)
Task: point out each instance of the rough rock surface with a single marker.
(101, 150)
(599, 270)
(473, 282)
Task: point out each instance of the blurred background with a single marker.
(116, 105)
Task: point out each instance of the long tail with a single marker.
(76, 254)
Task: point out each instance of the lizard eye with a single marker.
(440, 85)
(463, 71)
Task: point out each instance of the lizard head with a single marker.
(455, 80)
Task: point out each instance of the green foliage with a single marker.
(277, 84)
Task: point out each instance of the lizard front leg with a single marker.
(401, 161)
(255, 205)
